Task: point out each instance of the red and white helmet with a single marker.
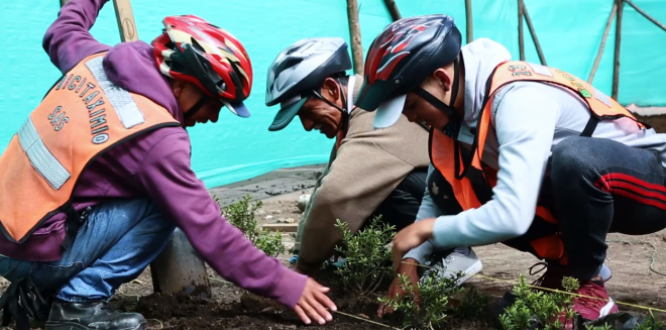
(191, 49)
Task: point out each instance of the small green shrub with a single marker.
(241, 215)
(603, 327)
(432, 307)
(367, 257)
(537, 309)
(540, 310)
(651, 323)
(473, 305)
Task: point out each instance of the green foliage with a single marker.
(368, 257)
(270, 243)
(537, 309)
(432, 307)
(652, 323)
(241, 215)
(472, 305)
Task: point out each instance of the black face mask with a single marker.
(453, 127)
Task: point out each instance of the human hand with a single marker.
(409, 268)
(314, 302)
(409, 238)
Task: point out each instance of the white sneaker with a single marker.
(461, 260)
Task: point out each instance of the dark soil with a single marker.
(185, 312)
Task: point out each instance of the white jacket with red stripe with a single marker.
(529, 119)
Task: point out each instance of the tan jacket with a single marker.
(367, 167)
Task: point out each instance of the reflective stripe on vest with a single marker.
(475, 188)
(82, 116)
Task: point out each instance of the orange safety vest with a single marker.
(83, 115)
(473, 187)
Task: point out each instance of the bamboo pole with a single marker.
(603, 44)
(355, 36)
(470, 20)
(521, 33)
(530, 27)
(618, 42)
(650, 18)
(393, 9)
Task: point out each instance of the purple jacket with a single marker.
(155, 165)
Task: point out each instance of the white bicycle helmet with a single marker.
(298, 72)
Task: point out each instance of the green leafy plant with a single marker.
(472, 305)
(241, 215)
(651, 323)
(539, 310)
(367, 257)
(428, 306)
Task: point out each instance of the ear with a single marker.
(330, 89)
(443, 78)
(178, 87)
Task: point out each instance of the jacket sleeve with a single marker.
(169, 181)
(68, 40)
(369, 165)
(524, 120)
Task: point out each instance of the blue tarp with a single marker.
(235, 149)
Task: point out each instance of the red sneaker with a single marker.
(594, 303)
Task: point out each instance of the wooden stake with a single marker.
(521, 33)
(650, 18)
(470, 21)
(125, 19)
(355, 36)
(618, 42)
(530, 26)
(603, 44)
(393, 9)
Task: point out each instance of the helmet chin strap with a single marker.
(342, 94)
(453, 127)
(449, 110)
(197, 106)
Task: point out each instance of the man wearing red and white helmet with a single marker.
(534, 157)
(97, 179)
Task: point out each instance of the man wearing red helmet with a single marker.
(536, 158)
(98, 177)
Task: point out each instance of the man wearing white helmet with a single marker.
(308, 79)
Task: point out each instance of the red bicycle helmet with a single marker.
(401, 57)
(191, 49)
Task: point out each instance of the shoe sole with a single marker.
(76, 326)
(471, 271)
